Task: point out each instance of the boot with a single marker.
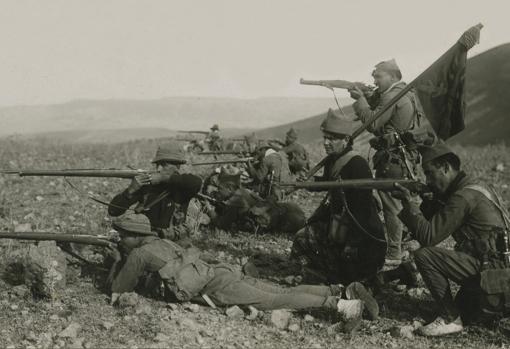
(356, 290)
(439, 327)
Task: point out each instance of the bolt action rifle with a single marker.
(377, 184)
(343, 84)
(221, 162)
(201, 132)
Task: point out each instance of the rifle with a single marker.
(99, 173)
(222, 152)
(187, 139)
(344, 84)
(201, 132)
(97, 240)
(221, 162)
(369, 183)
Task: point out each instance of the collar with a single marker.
(391, 87)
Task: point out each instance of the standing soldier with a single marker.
(162, 196)
(392, 159)
(271, 167)
(213, 139)
(344, 237)
(298, 156)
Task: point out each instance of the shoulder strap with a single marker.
(493, 197)
(341, 162)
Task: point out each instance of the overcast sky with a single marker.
(56, 51)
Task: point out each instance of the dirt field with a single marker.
(51, 204)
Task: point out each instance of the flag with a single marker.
(441, 88)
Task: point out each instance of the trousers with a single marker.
(391, 208)
(438, 266)
(235, 288)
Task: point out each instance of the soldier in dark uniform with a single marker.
(188, 278)
(391, 159)
(464, 209)
(344, 237)
(163, 196)
(298, 156)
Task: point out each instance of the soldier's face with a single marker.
(129, 241)
(334, 144)
(383, 80)
(166, 167)
(438, 178)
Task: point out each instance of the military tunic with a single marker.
(298, 157)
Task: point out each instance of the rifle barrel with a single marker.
(100, 173)
(220, 162)
(61, 237)
(378, 184)
(222, 152)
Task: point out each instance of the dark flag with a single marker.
(441, 87)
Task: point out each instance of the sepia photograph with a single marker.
(254, 174)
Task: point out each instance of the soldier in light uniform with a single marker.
(213, 139)
(298, 156)
(392, 159)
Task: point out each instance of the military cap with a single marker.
(171, 152)
(133, 223)
(429, 153)
(292, 134)
(390, 67)
(336, 125)
(215, 127)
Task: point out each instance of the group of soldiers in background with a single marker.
(345, 239)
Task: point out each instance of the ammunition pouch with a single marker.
(390, 163)
(486, 247)
(495, 287)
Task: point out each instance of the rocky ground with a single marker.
(80, 316)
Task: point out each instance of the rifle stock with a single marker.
(59, 237)
(377, 184)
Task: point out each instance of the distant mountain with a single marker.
(174, 113)
(487, 96)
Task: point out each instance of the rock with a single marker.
(192, 307)
(14, 307)
(309, 318)
(289, 280)
(280, 318)
(160, 337)
(23, 228)
(70, 331)
(20, 291)
(234, 312)
(77, 344)
(402, 332)
(143, 309)
(199, 339)
(172, 306)
(335, 328)
(188, 323)
(294, 328)
(129, 299)
(418, 323)
(54, 317)
(107, 325)
(254, 313)
(499, 167)
(39, 198)
(45, 269)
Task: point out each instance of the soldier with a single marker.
(213, 139)
(461, 208)
(189, 278)
(344, 237)
(298, 156)
(162, 196)
(271, 167)
(392, 159)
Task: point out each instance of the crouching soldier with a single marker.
(472, 214)
(344, 237)
(162, 196)
(189, 278)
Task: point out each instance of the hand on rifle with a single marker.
(159, 178)
(138, 182)
(402, 193)
(355, 92)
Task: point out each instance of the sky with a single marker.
(57, 51)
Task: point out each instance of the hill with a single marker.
(487, 96)
(169, 113)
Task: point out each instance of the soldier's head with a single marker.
(291, 136)
(262, 148)
(336, 131)
(215, 127)
(132, 228)
(440, 166)
(169, 157)
(385, 74)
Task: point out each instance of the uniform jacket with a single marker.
(277, 162)
(398, 118)
(462, 212)
(181, 188)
